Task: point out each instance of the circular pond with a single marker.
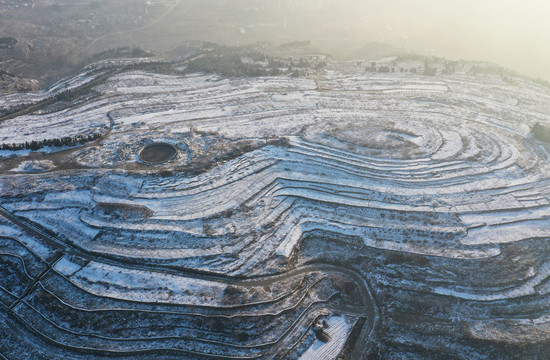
(157, 153)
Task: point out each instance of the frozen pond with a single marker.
(157, 153)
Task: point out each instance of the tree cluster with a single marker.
(120, 52)
(384, 68)
(7, 43)
(489, 70)
(228, 62)
(541, 132)
(62, 141)
(450, 67)
(225, 64)
(430, 71)
(542, 82)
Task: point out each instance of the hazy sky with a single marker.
(513, 33)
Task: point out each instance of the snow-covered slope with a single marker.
(431, 188)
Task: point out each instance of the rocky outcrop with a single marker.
(13, 84)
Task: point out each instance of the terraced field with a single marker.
(411, 213)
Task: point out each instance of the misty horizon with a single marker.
(509, 33)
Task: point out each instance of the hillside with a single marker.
(397, 214)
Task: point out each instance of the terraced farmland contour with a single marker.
(411, 213)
